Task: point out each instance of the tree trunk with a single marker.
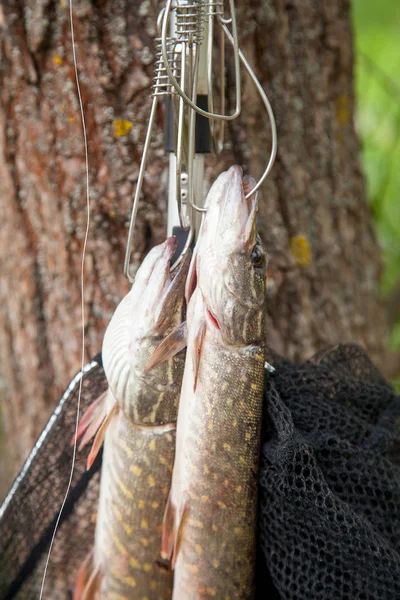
(324, 261)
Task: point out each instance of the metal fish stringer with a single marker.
(184, 77)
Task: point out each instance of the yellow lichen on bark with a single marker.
(300, 248)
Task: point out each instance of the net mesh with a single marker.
(330, 481)
(329, 524)
(30, 511)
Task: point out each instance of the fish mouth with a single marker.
(170, 246)
(173, 290)
(159, 276)
(191, 281)
(236, 213)
(175, 280)
(227, 227)
(229, 183)
(153, 279)
(169, 251)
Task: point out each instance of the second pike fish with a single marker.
(137, 420)
(210, 521)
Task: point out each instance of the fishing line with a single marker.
(82, 299)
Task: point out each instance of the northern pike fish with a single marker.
(210, 519)
(137, 419)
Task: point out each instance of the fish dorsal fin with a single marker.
(171, 345)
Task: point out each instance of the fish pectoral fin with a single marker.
(197, 348)
(93, 586)
(91, 420)
(182, 516)
(167, 543)
(98, 440)
(173, 524)
(88, 581)
(171, 345)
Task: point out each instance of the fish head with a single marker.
(229, 265)
(159, 293)
(152, 309)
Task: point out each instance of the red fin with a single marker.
(83, 576)
(183, 513)
(172, 529)
(92, 419)
(90, 433)
(171, 345)
(92, 589)
(98, 440)
(88, 581)
(167, 544)
(197, 347)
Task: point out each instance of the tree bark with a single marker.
(324, 260)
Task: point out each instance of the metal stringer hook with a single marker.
(161, 87)
(184, 75)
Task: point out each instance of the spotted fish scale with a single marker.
(135, 483)
(139, 440)
(216, 553)
(210, 521)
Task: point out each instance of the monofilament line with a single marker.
(82, 297)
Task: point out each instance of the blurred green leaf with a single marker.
(376, 28)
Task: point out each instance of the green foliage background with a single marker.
(377, 42)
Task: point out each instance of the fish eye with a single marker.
(257, 256)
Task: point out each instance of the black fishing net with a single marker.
(30, 511)
(329, 524)
(329, 488)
